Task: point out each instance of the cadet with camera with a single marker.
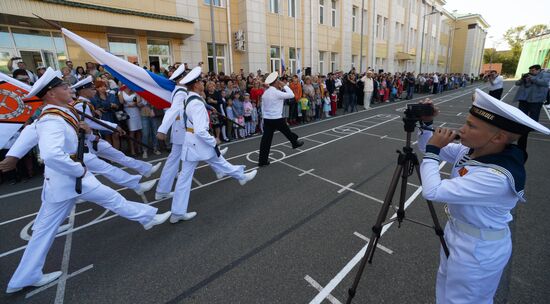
(487, 180)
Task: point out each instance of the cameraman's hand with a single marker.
(442, 137)
(8, 164)
(436, 110)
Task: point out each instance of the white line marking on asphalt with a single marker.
(357, 258)
(313, 140)
(347, 187)
(318, 286)
(383, 248)
(441, 125)
(306, 172)
(38, 290)
(458, 113)
(19, 218)
(333, 182)
(507, 93)
(382, 137)
(333, 135)
(414, 185)
(197, 181)
(62, 281)
(445, 173)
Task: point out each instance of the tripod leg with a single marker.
(376, 232)
(437, 227)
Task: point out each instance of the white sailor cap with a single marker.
(49, 80)
(85, 83)
(503, 115)
(192, 76)
(178, 72)
(271, 78)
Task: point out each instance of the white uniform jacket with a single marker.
(172, 117)
(199, 144)
(480, 192)
(273, 101)
(57, 141)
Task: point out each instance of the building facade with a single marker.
(317, 36)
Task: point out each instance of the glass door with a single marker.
(49, 59)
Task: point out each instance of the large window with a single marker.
(354, 61)
(125, 48)
(220, 57)
(385, 29)
(275, 58)
(321, 62)
(274, 6)
(159, 53)
(35, 47)
(354, 19)
(378, 26)
(214, 2)
(292, 60)
(293, 6)
(333, 13)
(333, 63)
(321, 11)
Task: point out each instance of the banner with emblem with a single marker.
(14, 110)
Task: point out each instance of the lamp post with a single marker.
(422, 41)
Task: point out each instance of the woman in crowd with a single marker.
(131, 102)
(106, 104)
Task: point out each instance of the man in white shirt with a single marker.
(495, 84)
(272, 110)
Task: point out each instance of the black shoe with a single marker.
(298, 144)
(264, 164)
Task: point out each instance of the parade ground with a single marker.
(294, 234)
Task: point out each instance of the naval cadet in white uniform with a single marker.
(198, 145)
(272, 112)
(487, 180)
(173, 120)
(102, 148)
(58, 129)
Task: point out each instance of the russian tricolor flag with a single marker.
(155, 89)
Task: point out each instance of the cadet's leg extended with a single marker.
(50, 216)
(114, 201)
(105, 150)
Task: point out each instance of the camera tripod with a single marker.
(407, 163)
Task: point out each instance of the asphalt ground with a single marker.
(291, 235)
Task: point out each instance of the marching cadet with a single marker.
(272, 112)
(198, 145)
(58, 129)
(172, 119)
(85, 90)
(487, 180)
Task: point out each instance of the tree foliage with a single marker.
(515, 37)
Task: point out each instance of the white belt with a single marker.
(478, 233)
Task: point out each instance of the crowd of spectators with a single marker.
(238, 97)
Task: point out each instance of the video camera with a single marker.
(418, 110)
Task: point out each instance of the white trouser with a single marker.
(183, 186)
(105, 150)
(366, 99)
(472, 272)
(51, 215)
(112, 173)
(170, 169)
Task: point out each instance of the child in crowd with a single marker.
(225, 133)
(247, 106)
(326, 104)
(231, 116)
(304, 107)
(254, 115)
(238, 110)
(318, 100)
(333, 103)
